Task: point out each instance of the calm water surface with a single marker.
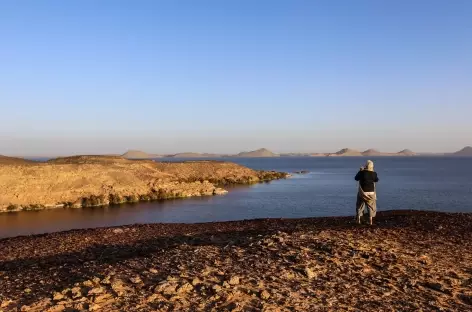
(440, 184)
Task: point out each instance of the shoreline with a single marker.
(408, 260)
(94, 181)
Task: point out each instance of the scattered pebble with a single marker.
(58, 296)
(309, 273)
(308, 267)
(136, 280)
(234, 280)
(265, 295)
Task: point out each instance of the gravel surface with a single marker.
(407, 261)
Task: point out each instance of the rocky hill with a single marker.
(372, 152)
(263, 152)
(466, 151)
(346, 152)
(406, 152)
(83, 181)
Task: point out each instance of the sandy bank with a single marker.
(409, 261)
(85, 181)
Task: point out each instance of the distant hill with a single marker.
(374, 152)
(6, 160)
(347, 152)
(133, 154)
(406, 152)
(466, 151)
(371, 152)
(263, 152)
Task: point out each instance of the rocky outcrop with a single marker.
(406, 152)
(371, 152)
(346, 152)
(466, 151)
(263, 152)
(409, 261)
(85, 181)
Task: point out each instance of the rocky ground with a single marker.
(84, 181)
(407, 261)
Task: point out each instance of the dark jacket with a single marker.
(366, 179)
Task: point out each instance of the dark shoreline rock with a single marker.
(160, 194)
(302, 172)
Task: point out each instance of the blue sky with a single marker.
(224, 76)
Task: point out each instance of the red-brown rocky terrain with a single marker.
(407, 261)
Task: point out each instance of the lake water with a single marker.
(426, 183)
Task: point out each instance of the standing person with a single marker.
(366, 195)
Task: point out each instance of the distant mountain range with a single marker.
(133, 154)
(345, 152)
(263, 152)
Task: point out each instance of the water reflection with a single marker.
(53, 220)
(328, 190)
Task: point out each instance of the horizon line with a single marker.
(224, 154)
